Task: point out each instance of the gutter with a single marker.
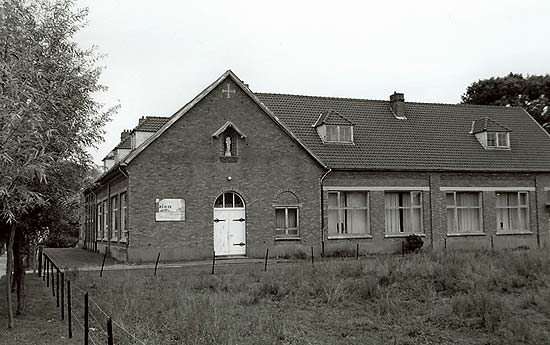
(321, 180)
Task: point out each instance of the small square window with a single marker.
(286, 221)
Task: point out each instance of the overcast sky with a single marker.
(161, 54)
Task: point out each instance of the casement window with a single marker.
(512, 211)
(286, 221)
(123, 216)
(498, 139)
(115, 218)
(348, 213)
(339, 133)
(105, 232)
(403, 212)
(100, 227)
(464, 213)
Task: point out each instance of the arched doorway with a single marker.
(229, 225)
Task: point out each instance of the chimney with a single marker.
(124, 134)
(141, 119)
(397, 105)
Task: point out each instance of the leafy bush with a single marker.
(413, 243)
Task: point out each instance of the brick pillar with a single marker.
(437, 213)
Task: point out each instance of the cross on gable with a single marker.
(228, 91)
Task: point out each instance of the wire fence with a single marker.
(91, 322)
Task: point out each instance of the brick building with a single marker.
(236, 172)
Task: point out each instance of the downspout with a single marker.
(431, 212)
(109, 218)
(321, 180)
(94, 231)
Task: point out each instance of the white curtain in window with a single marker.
(356, 220)
(392, 213)
(469, 217)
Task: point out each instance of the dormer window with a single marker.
(333, 127)
(498, 140)
(339, 133)
(491, 134)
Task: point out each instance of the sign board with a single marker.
(170, 210)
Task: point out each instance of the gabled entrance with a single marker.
(229, 225)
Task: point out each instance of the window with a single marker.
(123, 216)
(464, 213)
(512, 211)
(100, 220)
(229, 200)
(348, 213)
(498, 139)
(403, 212)
(115, 218)
(105, 220)
(338, 133)
(286, 221)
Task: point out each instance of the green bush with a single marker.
(413, 243)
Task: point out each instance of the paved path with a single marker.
(3, 265)
(84, 260)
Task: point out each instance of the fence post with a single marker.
(357, 251)
(157, 263)
(266, 257)
(39, 257)
(47, 271)
(110, 332)
(69, 309)
(57, 286)
(103, 264)
(86, 330)
(402, 249)
(312, 257)
(213, 261)
(53, 280)
(44, 268)
(62, 296)
(492, 243)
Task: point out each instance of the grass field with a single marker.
(444, 298)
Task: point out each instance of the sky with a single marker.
(160, 54)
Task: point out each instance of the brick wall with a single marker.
(185, 163)
(435, 212)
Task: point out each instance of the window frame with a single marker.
(412, 207)
(123, 216)
(497, 140)
(455, 207)
(287, 228)
(339, 134)
(519, 207)
(115, 218)
(105, 219)
(100, 223)
(341, 210)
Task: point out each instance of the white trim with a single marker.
(345, 237)
(374, 188)
(546, 189)
(487, 189)
(402, 234)
(504, 233)
(462, 234)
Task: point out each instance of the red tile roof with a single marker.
(433, 137)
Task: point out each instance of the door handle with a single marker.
(242, 244)
(239, 220)
(218, 220)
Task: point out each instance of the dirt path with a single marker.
(40, 323)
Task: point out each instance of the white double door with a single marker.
(229, 231)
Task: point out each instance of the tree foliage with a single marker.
(532, 93)
(48, 116)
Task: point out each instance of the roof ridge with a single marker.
(387, 101)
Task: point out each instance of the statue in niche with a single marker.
(228, 146)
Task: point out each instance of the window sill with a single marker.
(504, 233)
(283, 239)
(403, 234)
(123, 240)
(459, 234)
(345, 237)
(114, 240)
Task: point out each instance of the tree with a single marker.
(532, 93)
(48, 117)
